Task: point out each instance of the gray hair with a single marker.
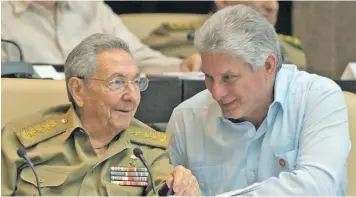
(81, 62)
(242, 32)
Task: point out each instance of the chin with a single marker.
(121, 126)
(232, 114)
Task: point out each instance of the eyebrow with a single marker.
(119, 75)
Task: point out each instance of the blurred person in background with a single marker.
(176, 39)
(47, 31)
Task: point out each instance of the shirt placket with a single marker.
(251, 157)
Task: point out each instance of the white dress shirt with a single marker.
(301, 147)
(49, 39)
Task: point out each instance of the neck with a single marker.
(261, 111)
(99, 136)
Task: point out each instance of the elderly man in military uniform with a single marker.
(86, 147)
(177, 39)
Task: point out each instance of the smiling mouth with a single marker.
(229, 103)
(124, 111)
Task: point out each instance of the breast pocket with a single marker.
(286, 161)
(49, 178)
(210, 178)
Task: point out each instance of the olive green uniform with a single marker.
(66, 162)
(178, 40)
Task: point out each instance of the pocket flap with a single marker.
(47, 176)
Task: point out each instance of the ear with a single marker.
(76, 88)
(271, 64)
(220, 4)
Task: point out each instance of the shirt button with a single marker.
(282, 162)
(251, 174)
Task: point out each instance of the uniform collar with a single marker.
(20, 7)
(73, 120)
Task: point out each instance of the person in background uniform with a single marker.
(86, 148)
(261, 128)
(178, 39)
(47, 31)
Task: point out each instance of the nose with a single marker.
(130, 85)
(130, 92)
(128, 96)
(218, 91)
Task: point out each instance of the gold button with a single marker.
(64, 121)
(41, 180)
(282, 162)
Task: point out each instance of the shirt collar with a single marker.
(282, 83)
(72, 120)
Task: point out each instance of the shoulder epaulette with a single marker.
(291, 40)
(145, 135)
(38, 132)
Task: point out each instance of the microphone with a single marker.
(16, 45)
(21, 152)
(138, 153)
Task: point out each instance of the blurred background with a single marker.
(194, 7)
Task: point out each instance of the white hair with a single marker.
(81, 62)
(242, 32)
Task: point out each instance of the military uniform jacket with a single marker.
(67, 164)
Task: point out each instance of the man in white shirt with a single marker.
(261, 128)
(47, 31)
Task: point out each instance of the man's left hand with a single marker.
(191, 64)
(184, 183)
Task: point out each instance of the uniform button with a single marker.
(282, 162)
(251, 174)
(41, 180)
(64, 120)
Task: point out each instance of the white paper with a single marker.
(186, 75)
(350, 72)
(48, 71)
(238, 192)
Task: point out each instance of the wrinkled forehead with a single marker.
(114, 63)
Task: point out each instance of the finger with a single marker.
(186, 179)
(184, 184)
(190, 190)
(197, 64)
(169, 181)
(196, 190)
(185, 67)
(178, 175)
